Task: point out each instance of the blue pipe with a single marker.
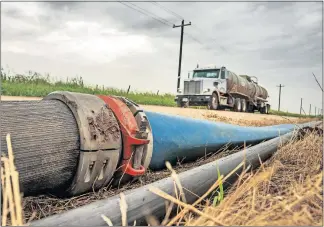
(175, 137)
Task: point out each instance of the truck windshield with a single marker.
(206, 73)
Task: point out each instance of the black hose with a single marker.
(45, 141)
(141, 201)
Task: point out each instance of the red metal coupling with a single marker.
(130, 134)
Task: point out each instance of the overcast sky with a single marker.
(114, 45)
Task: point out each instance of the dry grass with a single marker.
(11, 205)
(286, 190)
(38, 207)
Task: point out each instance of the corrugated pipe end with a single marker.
(100, 141)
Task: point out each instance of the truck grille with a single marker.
(192, 87)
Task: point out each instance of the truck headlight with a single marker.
(206, 90)
(179, 90)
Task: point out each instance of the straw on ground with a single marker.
(11, 205)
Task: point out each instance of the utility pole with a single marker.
(280, 86)
(315, 110)
(180, 54)
(301, 105)
(310, 109)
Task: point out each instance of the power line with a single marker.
(179, 16)
(144, 13)
(208, 38)
(164, 21)
(182, 18)
(168, 10)
(193, 38)
(160, 18)
(204, 46)
(197, 28)
(317, 82)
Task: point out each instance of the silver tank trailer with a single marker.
(241, 84)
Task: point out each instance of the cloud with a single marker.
(89, 41)
(96, 45)
(116, 45)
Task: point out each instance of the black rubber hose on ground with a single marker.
(141, 201)
(45, 141)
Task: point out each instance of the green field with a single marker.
(37, 85)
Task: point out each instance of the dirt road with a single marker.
(18, 98)
(247, 119)
(223, 116)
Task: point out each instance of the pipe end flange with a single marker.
(100, 140)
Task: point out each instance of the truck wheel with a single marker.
(179, 103)
(264, 109)
(268, 109)
(182, 104)
(250, 108)
(213, 103)
(243, 105)
(237, 105)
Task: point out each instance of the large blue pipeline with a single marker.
(177, 137)
(87, 141)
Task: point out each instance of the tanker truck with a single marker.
(219, 88)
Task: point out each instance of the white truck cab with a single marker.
(198, 89)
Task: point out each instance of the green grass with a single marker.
(287, 114)
(220, 193)
(37, 85)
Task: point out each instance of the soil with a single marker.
(203, 113)
(18, 98)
